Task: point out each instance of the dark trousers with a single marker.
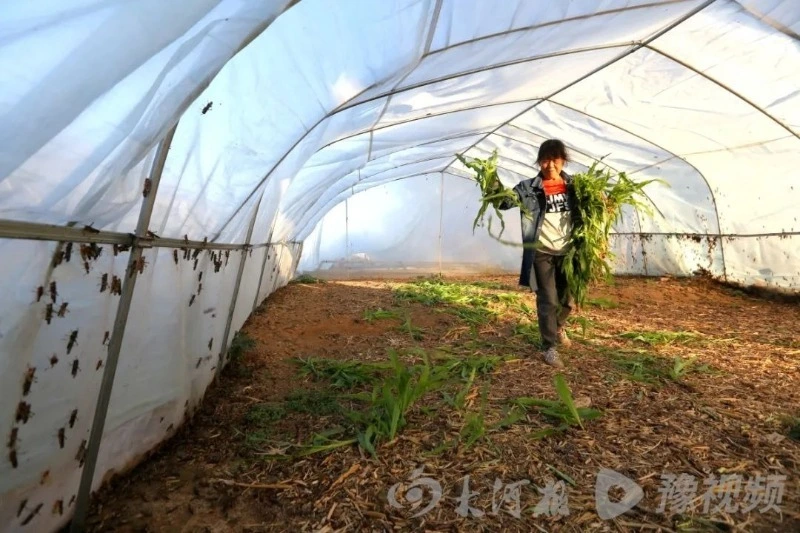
(553, 299)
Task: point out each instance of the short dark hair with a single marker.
(552, 149)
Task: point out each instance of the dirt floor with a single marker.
(674, 377)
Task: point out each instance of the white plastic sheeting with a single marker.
(338, 125)
(629, 82)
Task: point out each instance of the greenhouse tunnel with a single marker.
(165, 167)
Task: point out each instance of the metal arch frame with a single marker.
(575, 150)
(441, 217)
(504, 33)
(449, 138)
(722, 86)
(329, 205)
(437, 9)
(674, 156)
(635, 211)
(769, 21)
(306, 206)
(78, 522)
(507, 158)
(306, 227)
(608, 63)
(353, 101)
(361, 180)
(309, 130)
(441, 201)
(270, 248)
(221, 360)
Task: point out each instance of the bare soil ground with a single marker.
(689, 378)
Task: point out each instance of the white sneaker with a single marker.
(550, 356)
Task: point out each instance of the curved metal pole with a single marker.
(115, 343)
(235, 297)
(724, 87)
(708, 185)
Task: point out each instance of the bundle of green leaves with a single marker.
(600, 197)
(493, 193)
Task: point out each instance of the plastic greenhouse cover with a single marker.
(346, 138)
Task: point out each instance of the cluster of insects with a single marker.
(50, 308)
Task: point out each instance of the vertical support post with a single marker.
(298, 252)
(115, 342)
(235, 297)
(441, 216)
(270, 248)
(267, 251)
(347, 232)
(277, 266)
(641, 241)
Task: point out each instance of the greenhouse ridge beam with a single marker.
(388, 95)
(435, 115)
(411, 68)
(607, 64)
(115, 343)
(557, 22)
(511, 62)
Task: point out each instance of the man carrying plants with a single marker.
(548, 216)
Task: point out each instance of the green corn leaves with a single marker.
(599, 205)
(493, 193)
(600, 198)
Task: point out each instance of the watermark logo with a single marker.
(727, 493)
(415, 492)
(554, 500)
(680, 494)
(608, 479)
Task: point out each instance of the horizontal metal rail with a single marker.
(708, 235)
(35, 231)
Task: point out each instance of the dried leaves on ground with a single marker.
(355, 398)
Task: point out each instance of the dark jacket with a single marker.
(531, 194)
